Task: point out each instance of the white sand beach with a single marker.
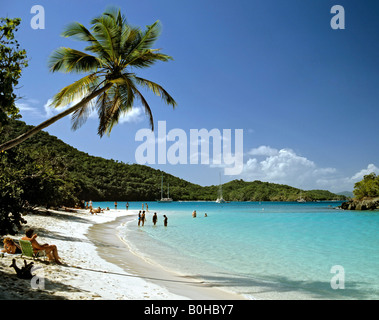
(97, 265)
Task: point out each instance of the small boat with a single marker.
(220, 199)
(168, 199)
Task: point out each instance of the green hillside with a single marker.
(77, 175)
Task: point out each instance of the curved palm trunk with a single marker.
(14, 142)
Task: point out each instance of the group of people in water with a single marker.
(142, 218)
(141, 215)
(194, 214)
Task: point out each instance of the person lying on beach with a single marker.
(10, 246)
(96, 211)
(51, 250)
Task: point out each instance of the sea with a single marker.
(263, 250)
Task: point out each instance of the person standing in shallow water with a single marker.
(139, 218)
(155, 218)
(143, 217)
(165, 220)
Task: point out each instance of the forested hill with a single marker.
(77, 175)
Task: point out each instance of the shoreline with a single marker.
(83, 275)
(183, 286)
(97, 264)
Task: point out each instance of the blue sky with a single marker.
(304, 94)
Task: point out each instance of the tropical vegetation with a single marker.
(367, 188)
(110, 87)
(79, 176)
(12, 61)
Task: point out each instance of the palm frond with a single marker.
(101, 105)
(108, 110)
(76, 90)
(150, 36)
(157, 90)
(112, 111)
(79, 32)
(70, 60)
(140, 41)
(80, 116)
(106, 31)
(119, 101)
(146, 107)
(147, 58)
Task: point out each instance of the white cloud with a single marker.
(370, 168)
(29, 106)
(25, 107)
(135, 115)
(263, 151)
(280, 166)
(32, 107)
(52, 111)
(284, 166)
(49, 111)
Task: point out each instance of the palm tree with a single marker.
(114, 49)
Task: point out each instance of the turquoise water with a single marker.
(264, 250)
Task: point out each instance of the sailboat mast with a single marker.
(220, 188)
(162, 187)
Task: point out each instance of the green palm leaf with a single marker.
(76, 90)
(157, 89)
(69, 60)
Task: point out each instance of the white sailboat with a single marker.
(168, 199)
(220, 199)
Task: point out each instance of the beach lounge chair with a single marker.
(27, 250)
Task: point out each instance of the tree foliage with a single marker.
(368, 187)
(100, 179)
(12, 61)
